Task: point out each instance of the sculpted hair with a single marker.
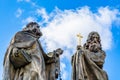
(89, 39)
(30, 25)
(91, 35)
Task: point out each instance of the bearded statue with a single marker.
(87, 62)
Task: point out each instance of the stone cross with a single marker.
(79, 38)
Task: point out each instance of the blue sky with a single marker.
(60, 21)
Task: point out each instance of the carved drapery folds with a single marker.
(87, 62)
(25, 58)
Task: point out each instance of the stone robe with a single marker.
(35, 70)
(87, 65)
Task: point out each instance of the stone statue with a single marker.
(53, 69)
(87, 62)
(25, 58)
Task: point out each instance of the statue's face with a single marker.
(95, 38)
(94, 44)
(35, 30)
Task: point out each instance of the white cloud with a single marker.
(62, 26)
(62, 29)
(19, 12)
(42, 12)
(29, 19)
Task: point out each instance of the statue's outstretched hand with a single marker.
(59, 51)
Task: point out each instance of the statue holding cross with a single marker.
(87, 62)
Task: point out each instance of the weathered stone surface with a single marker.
(87, 62)
(25, 58)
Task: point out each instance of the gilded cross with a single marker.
(79, 38)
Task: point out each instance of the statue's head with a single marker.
(93, 42)
(94, 36)
(33, 28)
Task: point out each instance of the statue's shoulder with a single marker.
(16, 37)
(19, 34)
(24, 36)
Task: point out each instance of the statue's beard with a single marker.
(94, 47)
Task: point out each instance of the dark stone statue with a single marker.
(25, 58)
(53, 69)
(87, 62)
